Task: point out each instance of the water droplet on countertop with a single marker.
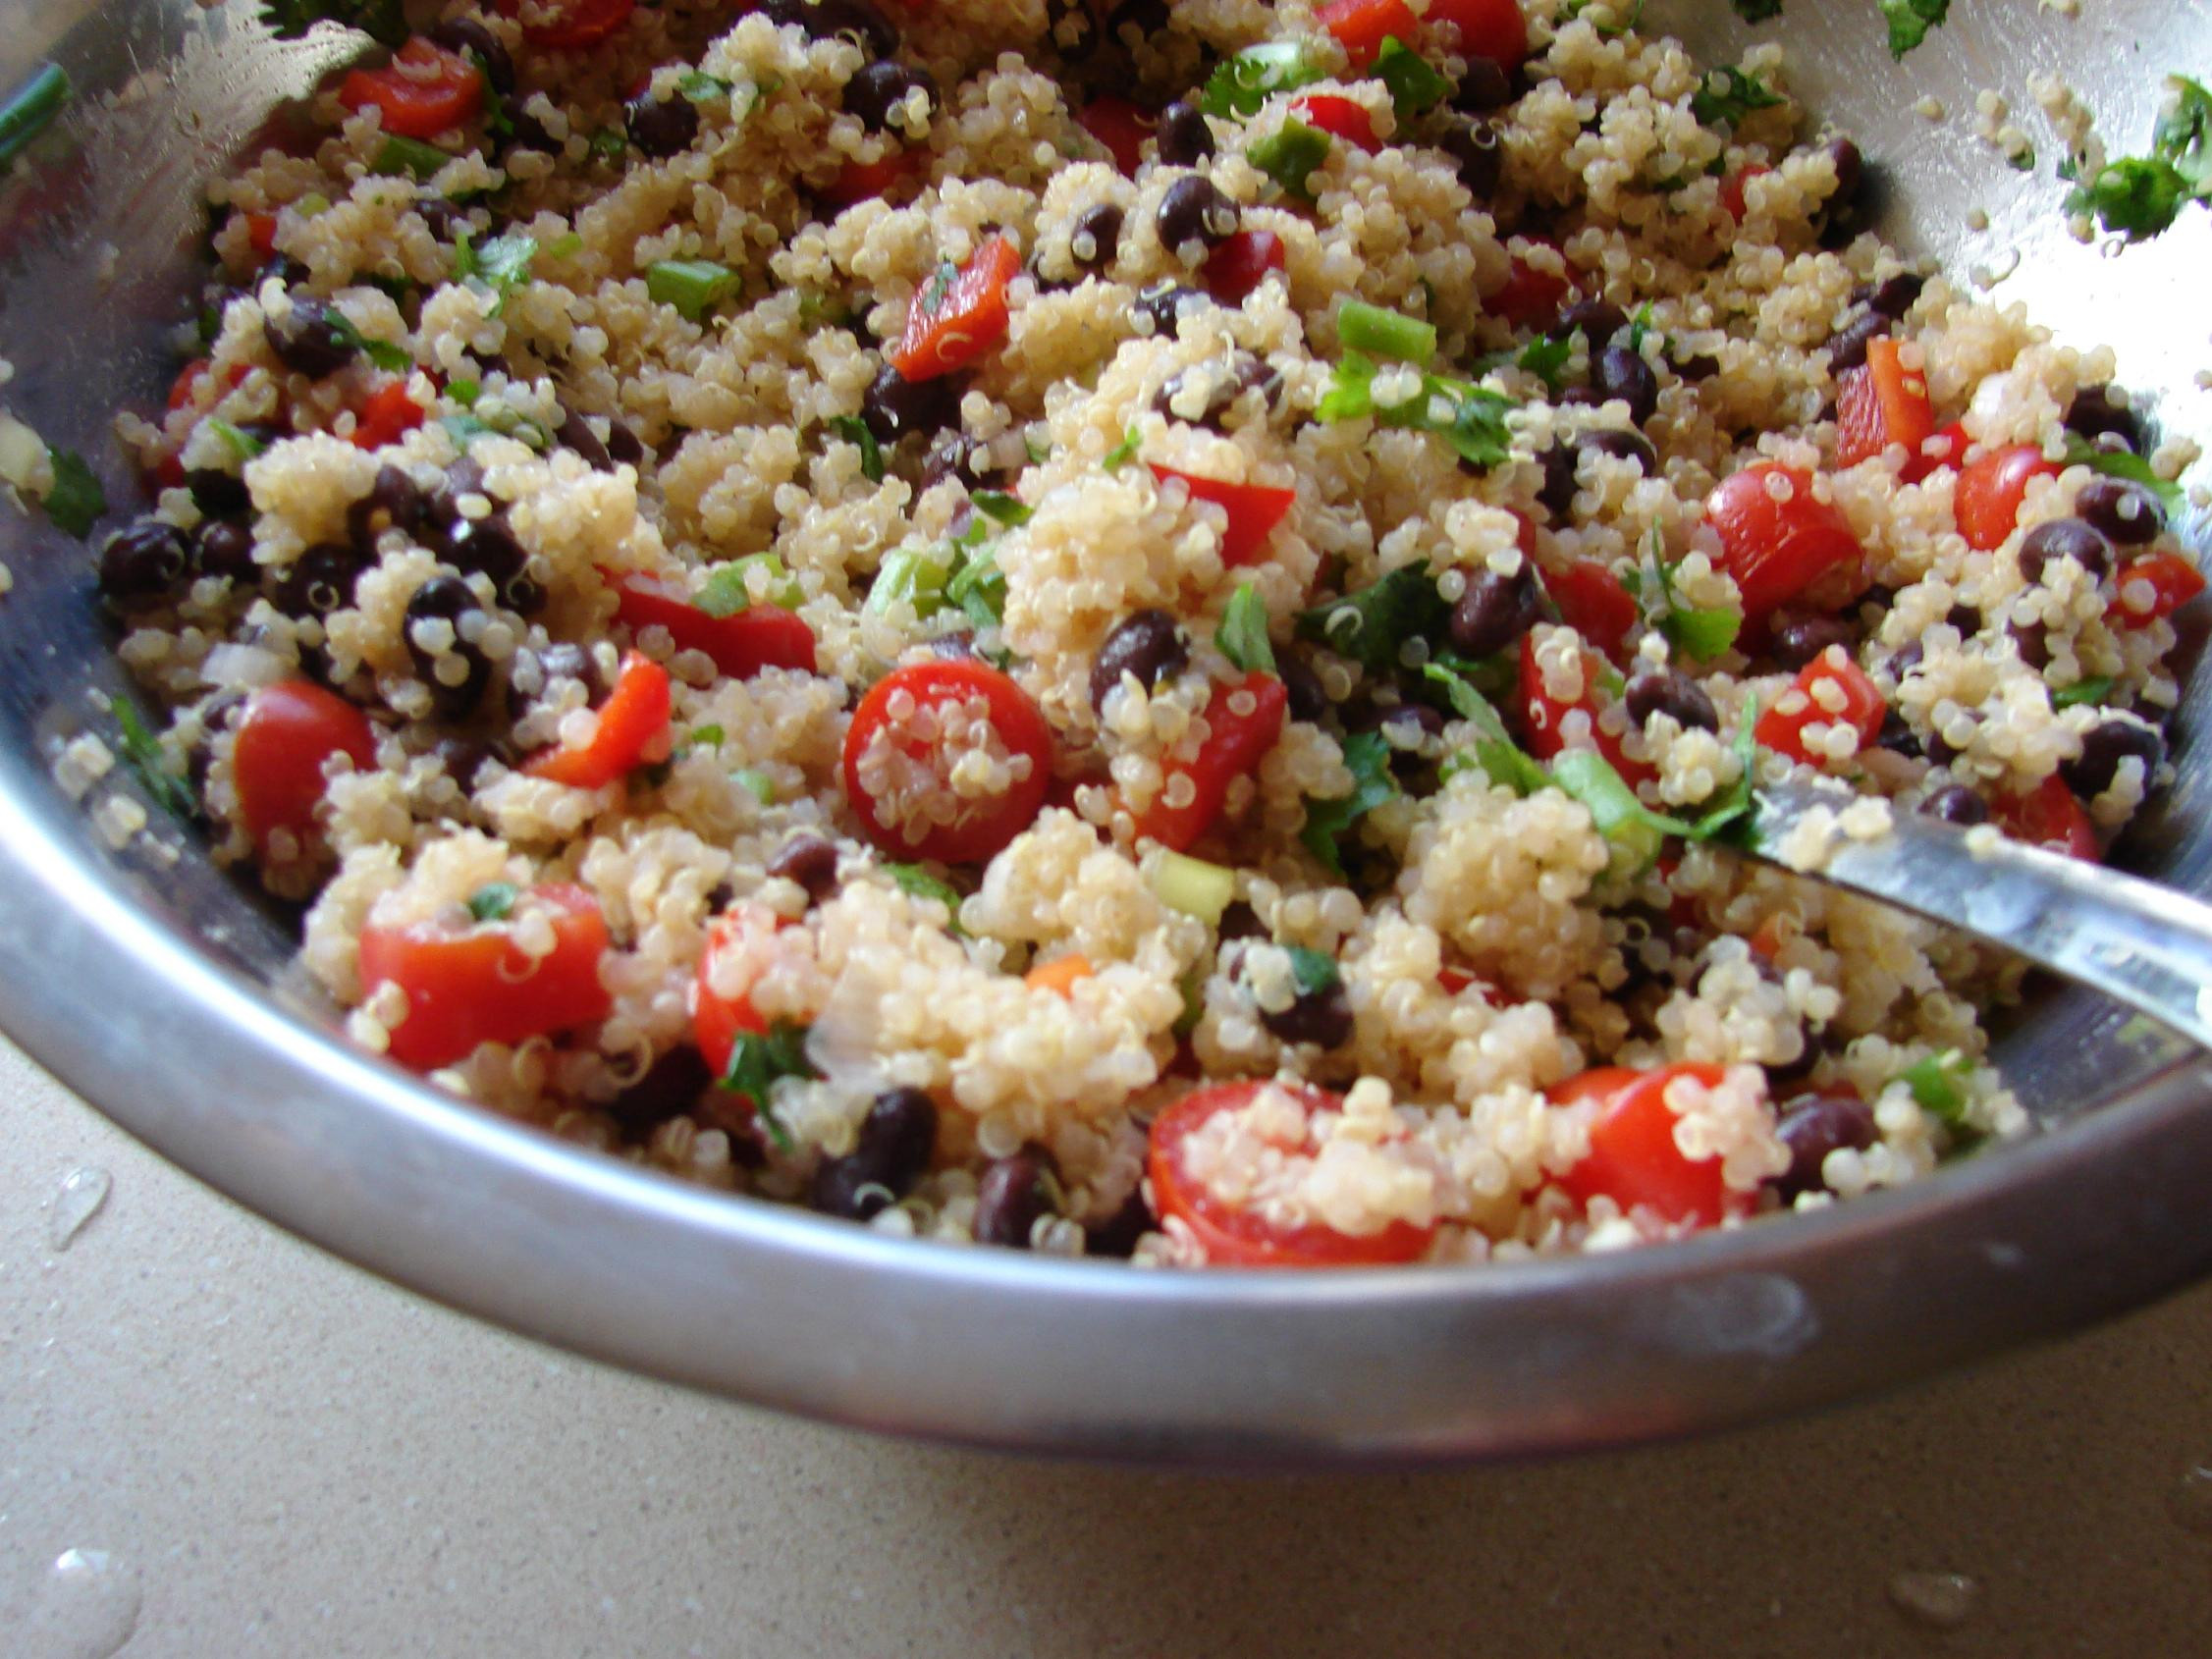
(83, 1192)
(86, 1608)
(2191, 1499)
(1945, 1600)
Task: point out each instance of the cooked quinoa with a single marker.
(1136, 633)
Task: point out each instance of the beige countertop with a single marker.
(252, 1448)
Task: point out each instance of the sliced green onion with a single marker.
(1386, 333)
(694, 287)
(729, 588)
(1193, 886)
(751, 777)
(411, 156)
(1123, 452)
(1934, 1083)
(915, 574)
(1289, 156)
(2083, 691)
(1001, 507)
(1311, 970)
(32, 111)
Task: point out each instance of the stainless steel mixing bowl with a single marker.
(148, 988)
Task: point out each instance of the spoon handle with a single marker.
(2140, 944)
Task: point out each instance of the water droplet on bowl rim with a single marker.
(1945, 1600)
(82, 1192)
(86, 1608)
(2191, 1499)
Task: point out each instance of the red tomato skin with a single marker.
(1880, 403)
(1021, 728)
(2172, 582)
(262, 236)
(1487, 29)
(1235, 1238)
(1253, 511)
(1633, 1157)
(1863, 710)
(864, 181)
(1339, 116)
(1992, 488)
(417, 108)
(968, 321)
(1776, 549)
(761, 637)
(465, 988)
(1945, 448)
(1531, 298)
(2049, 816)
(1543, 718)
(631, 721)
(1592, 602)
(387, 416)
(287, 731)
(575, 24)
(1362, 26)
(1120, 125)
(1233, 747)
(1732, 190)
(1241, 264)
(716, 1022)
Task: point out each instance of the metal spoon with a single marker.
(2140, 944)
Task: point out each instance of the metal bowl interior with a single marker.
(148, 983)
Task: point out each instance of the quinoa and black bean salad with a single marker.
(1134, 632)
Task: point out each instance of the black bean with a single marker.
(440, 217)
(2104, 746)
(488, 546)
(576, 433)
(1847, 346)
(1701, 365)
(881, 87)
(1495, 610)
(465, 35)
(1117, 1234)
(896, 1142)
(2101, 412)
(143, 560)
(525, 132)
(2064, 538)
(1160, 309)
(1406, 725)
(1478, 147)
(1013, 1194)
(1239, 921)
(1557, 491)
(623, 447)
(951, 457)
(221, 547)
(1895, 296)
(320, 581)
(216, 492)
(1193, 212)
(1811, 1127)
(1965, 619)
(464, 756)
(810, 861)
(1905, 658)
(1620, 446)
(1624, 374)
(394, 501)
(1955, 803)
(1223, 391)
(896, 405)
(1850, 173)
(1898, 737)
(1184, 138)
(1665, 691)
(313, 340)
(2123, 512)
(447, 599)
(1482, 87)
(1147, 644)
(1797, 642)
(1323, 1017)
(1135, 21)
(1072, 27)
(660, 127)
(559, 661)
(822, 19)
(671, 1087)
(1596, 320)
(1097, 236)
(2032, 641)
(1308, 699)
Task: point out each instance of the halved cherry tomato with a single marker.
(1531, 298)
(634, 722)
(1331, 113)
(287, 731)
(1633, 1157)
(476, 985)
(1120, 125)
(1831, 676)
(1992, 487)
(1060, 974)
(906, 709)
(862, 180)
(1235, 744)
(1543, 716)
(2049, 816)
(1240, 265)
(956, 319)
(1253, 511)
(1946, 448)
(719, 1019)
(1362, 26)
(2156, 585)
(1882, 403)
(1775, 550)
(760, 636)
(1487, 29)
(1232, 1237)
(570, 25)
(424, 91)
(387, 416)
(1592, 602)
(1732, 190)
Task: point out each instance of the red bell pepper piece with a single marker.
(959, 316)
(760, 636)
(1240, 265)
(1234, 745)
(634, 722)
(1253, 511)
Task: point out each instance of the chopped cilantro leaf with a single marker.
(1502, 759)
(380, 20)
(2084, 692)
(1728, 94)
(699, 86)
(494, 901)
(1243, 633)
(1001, 507)
(1415, 87)
(243, 445)
(144, 755)
(1373, 625)
(77, 500)
(390, 359)
(853, 430)
(916, 882)
(1123, 452)
(2124, 464)
(1909, 22)
(1329, 819)
(411, 156)
(609, 143)
(1311, 971)
(1469, 418)
(758, 1061)
(1545, 357)
(1243, 83)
